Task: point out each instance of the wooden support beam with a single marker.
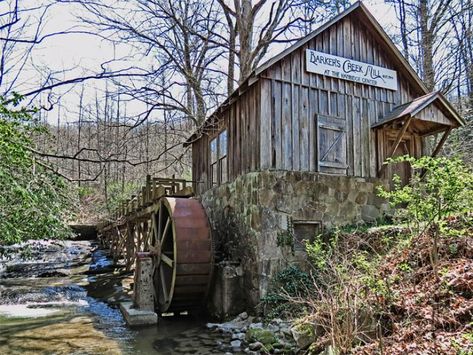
(441, 142)
(396, 144)
(438, 148)
(148, 190)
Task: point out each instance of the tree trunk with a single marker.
(427, 42)
(231, 59)
(245, 24)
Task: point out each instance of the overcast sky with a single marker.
(87, 51)
(81, 53)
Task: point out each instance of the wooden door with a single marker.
(332, 145)
(403, 170)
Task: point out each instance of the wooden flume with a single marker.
(164, 220)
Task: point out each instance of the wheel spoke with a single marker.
(154, 231)
(167, 260)
(153, 249)
(165, 232)
(164, 288)
(160, 220)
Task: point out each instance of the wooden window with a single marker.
(213, 161)
(222, 156)
(218, 159)
(332, 144)
(305, 231)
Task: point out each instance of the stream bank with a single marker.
(61, 297)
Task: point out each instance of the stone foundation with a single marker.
(248, 214)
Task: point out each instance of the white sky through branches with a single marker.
(76, 54)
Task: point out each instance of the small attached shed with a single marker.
(300, 145)
(339, 101)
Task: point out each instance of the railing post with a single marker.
(148, 189)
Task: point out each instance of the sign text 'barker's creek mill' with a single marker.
(348, 69)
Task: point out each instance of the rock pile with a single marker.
(249, 335)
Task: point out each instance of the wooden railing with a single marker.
(150, 192)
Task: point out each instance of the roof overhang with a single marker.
(423, 125)
(361, 12)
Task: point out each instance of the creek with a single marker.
(62, 297)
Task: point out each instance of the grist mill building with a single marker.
(300, 145)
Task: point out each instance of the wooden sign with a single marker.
(352, 70)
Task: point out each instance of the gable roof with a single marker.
(362, 12)
(412, 108)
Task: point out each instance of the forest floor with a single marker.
(430, 312)
(376, 290)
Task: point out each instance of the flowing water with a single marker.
(65, 301)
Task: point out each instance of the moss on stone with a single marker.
(264, 336)
(306, 329)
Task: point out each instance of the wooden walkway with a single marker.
(130, 228)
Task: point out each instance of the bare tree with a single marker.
(175, 37)
(253, 26)
(253, 40)
(427, 40)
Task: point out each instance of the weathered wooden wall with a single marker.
(242, 121)
(299, 104)
(290, 119)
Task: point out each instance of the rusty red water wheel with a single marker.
(182, 254)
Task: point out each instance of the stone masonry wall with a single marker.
(248, 214)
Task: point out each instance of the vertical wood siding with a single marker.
(242, 120)
(294, 97)
(291, 119)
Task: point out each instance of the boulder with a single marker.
(303, 334)
(257, 345)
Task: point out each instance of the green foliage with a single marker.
(304, 328)
(287, 283)
(85, 191)
(286, 238)
(119, 192)
(264, 336)
(333, 259)
(32, 198)
(319, 252)
(439, 187)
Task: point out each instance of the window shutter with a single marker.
(332, 143)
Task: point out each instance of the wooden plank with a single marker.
(323, 102)
(305, 76)
(287, 127)
(372, 134)
(334, 104)
(313, 111)
(332, 146)
(304, 130)
(258, 104)
(230, 138)
(276, 131)
(286, 69)
(356, 116)
(274, 72)
(253, 142)
(295, 129)
(365, 136)
(248, 142)
(244, 135)
(441, 142)
(350, 133)
(238, 142)
(346, 38)
(396, 143)
(296, 67)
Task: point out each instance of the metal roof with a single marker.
(358, 6)
(412, 108)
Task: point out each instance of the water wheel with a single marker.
(180, 244)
